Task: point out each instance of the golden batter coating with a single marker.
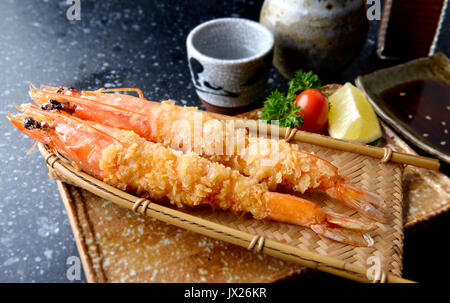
(272, 161)
(185, 179)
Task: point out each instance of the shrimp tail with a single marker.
(343, 235)
(364, 202)
(295, 210)
(349, 223)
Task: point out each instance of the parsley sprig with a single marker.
(282, 108)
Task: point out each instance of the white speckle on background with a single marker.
(48, 253)
(11, 261)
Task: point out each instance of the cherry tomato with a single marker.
(314, 108)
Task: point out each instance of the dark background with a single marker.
(123, 44)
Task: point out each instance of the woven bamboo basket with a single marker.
(161, 252)
(285, 241)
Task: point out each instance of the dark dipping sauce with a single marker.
(424, 106)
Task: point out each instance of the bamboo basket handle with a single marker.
(348, 146)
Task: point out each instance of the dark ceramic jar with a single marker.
(322, 36)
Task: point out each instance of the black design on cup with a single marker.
(197, 68)
(212, 86)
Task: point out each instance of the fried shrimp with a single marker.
(177, 127)
(124, 159)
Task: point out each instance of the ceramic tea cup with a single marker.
(229, 60)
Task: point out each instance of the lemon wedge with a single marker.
(351, 117)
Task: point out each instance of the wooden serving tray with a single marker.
(426, 193)
(118, 245)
